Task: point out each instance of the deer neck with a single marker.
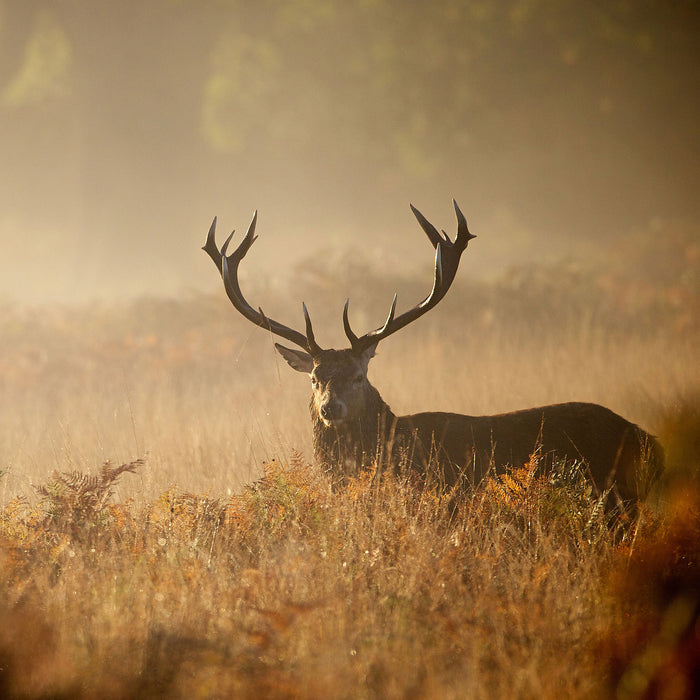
(355, 444)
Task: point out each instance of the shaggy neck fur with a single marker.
(357, 443)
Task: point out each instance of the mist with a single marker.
(564, 131)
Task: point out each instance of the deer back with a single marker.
(612, 447)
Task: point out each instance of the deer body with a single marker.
(353, 427)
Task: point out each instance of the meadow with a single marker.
(164, 533)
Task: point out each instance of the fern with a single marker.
(77, 502)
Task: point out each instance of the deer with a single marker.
(354, 428)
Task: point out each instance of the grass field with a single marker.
(209, 558)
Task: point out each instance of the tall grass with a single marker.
(202, 392)
(289, 589)
(208, 558)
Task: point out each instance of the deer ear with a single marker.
(297, 359)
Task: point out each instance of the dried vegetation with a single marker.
(525, 589)
(115, 582)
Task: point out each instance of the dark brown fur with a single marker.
(453, 447)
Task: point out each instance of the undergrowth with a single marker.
(527, 588)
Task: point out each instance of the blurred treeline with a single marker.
(642, 300)
(125, 126)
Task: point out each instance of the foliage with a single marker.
(75, 498)
(282, 500)
(652, 645)
(560, 501)
(382, 589)
(567, 118)
(526, 587)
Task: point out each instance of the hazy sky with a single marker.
(126, 126)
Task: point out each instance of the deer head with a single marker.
(342, 393)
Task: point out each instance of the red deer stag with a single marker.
(353, 426)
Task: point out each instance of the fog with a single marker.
(564, 130)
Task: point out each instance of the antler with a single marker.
(228, 267)
(447, 255)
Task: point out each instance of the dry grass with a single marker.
(382, 590)
(200, 573)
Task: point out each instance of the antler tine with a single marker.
(346, 324)
(314, 349)
(447, 256)
(463, 234)
(432, 233)
(210, 246)
(390, 317)
(249, 237)
(354, 340)
(228, 267)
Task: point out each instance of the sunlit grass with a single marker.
(202, 392)
(385, 589)
(209, 558)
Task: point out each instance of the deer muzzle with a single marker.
(333, 412)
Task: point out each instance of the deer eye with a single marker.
(357, 379)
